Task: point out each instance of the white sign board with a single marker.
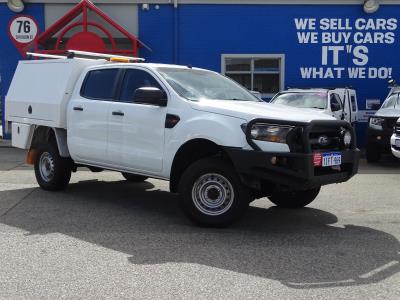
(23, 29)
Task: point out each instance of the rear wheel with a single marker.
(212, 193)
(373, 153)
(133, 177)
(294, 199)
(52, 171)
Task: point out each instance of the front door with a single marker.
(136, 131)
(336, 106)
(88, 117)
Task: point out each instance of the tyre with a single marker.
(133, 177)
(212, 194)
(294, 199)
(373, 153)
(52, 171)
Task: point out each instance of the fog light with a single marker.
(274, 160)
(378, 137)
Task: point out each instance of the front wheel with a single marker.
(52, 171)
(294, 199)
(212, 194)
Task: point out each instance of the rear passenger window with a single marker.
(100, 84)
(133, 80)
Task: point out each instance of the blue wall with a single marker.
(9, 55)
(199, 34)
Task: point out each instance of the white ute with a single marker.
(395, 140)
(340, 103)
(218, 145)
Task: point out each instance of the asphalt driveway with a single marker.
(106, 238)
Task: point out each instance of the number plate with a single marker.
(397, 143)
(331, 159)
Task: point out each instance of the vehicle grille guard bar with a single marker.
(305, 128)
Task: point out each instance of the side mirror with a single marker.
(151, 96)
(335, 106)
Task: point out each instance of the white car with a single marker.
(395, 140)
(340, 103)
(218, 145)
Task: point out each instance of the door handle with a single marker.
(118, 113)
(78, 108)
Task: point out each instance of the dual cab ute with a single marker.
(218, 145)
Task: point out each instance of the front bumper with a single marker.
(295, 169)
(379, 138)
(395, 149)
(292, 169)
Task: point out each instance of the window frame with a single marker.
(121, 79)
(338, 99)
(252, 72)
(115, 85)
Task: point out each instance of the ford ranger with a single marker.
(219, 146)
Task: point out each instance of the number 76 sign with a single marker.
(22, 30)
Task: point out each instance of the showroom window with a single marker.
(260, 73)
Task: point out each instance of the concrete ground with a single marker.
(106, 238)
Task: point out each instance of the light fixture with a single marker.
(371, 6)
(16, 6)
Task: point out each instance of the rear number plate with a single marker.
(398, 143)
(328, 159)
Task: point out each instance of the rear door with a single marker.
(136, 131)
(88, 116)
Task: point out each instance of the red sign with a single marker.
(317, 159)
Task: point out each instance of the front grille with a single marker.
(326, 138)
(390, 123)
(320, 138)
(397, 129)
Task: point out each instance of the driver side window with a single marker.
(134, 79)
(336, 103)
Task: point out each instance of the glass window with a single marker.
(353, 103)
(256, 73)
(392, 101)
(302, 100)
(134, 79)
(100, 84)
(336, 102)
(238, 64)
(198, 85)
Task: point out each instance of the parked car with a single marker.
(395, 140)
(218, 145)
(381, 126)
(340, 103)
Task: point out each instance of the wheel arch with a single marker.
(191, 151)
(43, 134)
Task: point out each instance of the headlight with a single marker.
(347, 139)
(270, 133)
(376, 123)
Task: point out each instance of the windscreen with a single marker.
(302, 100)
(197, 85)
(392, 102)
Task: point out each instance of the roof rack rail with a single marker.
(77, 54)
(96, 55)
